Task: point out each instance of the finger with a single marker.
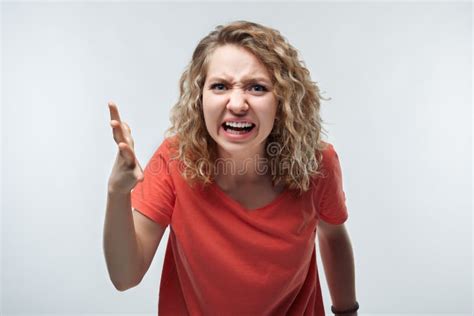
(114, 113)
(127, 154)
(121, 134)
(118, 132)
(128, 134)
(127, 127)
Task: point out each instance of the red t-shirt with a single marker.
(223, 259)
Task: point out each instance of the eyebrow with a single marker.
(245, 80)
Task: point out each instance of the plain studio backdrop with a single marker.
(400, 117)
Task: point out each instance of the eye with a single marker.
(218, 86)
(258, 88)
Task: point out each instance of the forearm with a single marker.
(338, 261)
(121, 246)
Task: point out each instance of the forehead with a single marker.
(234, 62)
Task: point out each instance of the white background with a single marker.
(400, 79)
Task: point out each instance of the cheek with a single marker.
(209, 117)
(212, 105)
(267, 109)
(210, 100)
(206, 105)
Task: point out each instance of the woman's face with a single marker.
(238, 89)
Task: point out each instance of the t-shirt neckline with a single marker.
(230, 200)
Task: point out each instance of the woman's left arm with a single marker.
(338, 262)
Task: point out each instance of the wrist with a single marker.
(116, 192)
(346, 312)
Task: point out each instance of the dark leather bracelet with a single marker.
(353, 309)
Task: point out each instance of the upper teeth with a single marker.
(235, 124)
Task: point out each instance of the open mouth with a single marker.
(237, 129)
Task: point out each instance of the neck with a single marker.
(232, 170)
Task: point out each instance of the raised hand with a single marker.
(126, 172)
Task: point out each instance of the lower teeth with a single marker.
(237, 132)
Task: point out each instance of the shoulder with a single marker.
(328, 152)
(162, 157)
(330, 159)
(329, 169)
(165, 149)
(170, 142)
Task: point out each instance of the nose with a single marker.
(237, 102)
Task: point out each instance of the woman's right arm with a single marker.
(121, 245)
(130, 242)
(130, 239)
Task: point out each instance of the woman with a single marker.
(245, 183)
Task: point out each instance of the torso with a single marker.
(253, 196)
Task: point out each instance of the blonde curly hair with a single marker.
(294, 146)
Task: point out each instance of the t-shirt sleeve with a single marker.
(155, 196)
(329, 196)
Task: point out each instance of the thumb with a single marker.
(141, 177)
(140, 174)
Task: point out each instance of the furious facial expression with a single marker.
(238, 102)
